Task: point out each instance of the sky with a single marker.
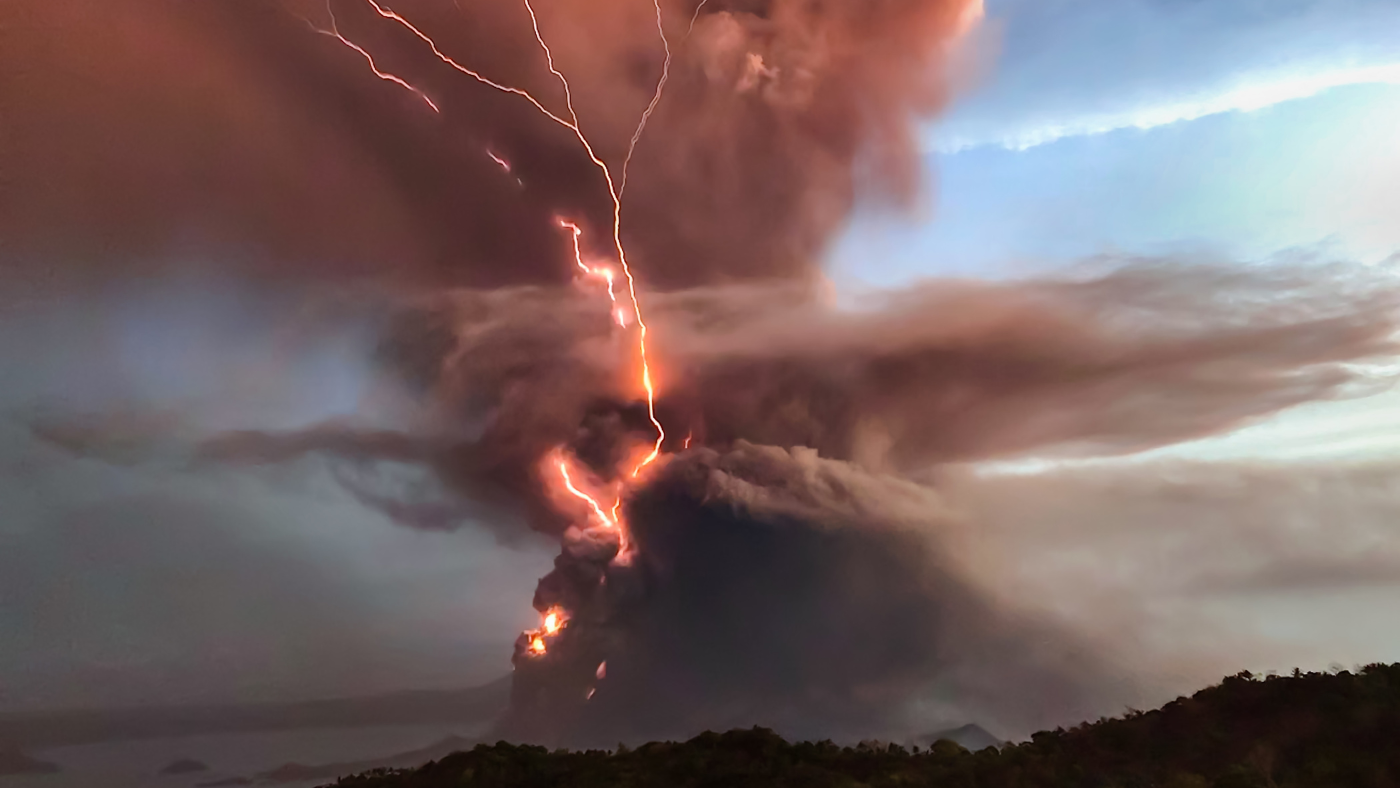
(1087, 131)
(1256, 133)
(1242, 128)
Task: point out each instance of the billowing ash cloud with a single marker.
(809, 588)
(1151, 353)
(783, 570)
(231, 128)
(771, 586)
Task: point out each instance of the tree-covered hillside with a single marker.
(1308, 730)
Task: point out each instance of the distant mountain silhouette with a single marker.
(32, 731)
(972, 737)
(185, 766)
(295, 772)
(15, 762)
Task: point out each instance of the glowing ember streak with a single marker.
(334, 32)
(688, 436)
(617, 242)
(655, 98)
(602, 671)
(610, 522)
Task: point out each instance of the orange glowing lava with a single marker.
(554, 620)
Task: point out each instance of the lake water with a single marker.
(137, 764)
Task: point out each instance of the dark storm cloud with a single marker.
(141, 596)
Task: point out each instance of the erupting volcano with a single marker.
(579, 245)
(561, 664)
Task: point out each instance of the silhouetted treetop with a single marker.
(1306, 730)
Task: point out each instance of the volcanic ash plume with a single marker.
(769, 586)
(723, 455)
(276, 150)
(804, 583)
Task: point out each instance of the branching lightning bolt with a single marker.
(572, 124)
(655, 98)
(604, 273)
(598, 511)
(613, 519)
(614, 192)
(693, 17)
(617, 242)
(394, 16)
(334, 32)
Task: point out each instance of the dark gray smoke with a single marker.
(774, 587)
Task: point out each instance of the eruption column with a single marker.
(617, 241)
(552, 621)
(573, 125)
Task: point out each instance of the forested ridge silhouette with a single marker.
(1305, 730)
